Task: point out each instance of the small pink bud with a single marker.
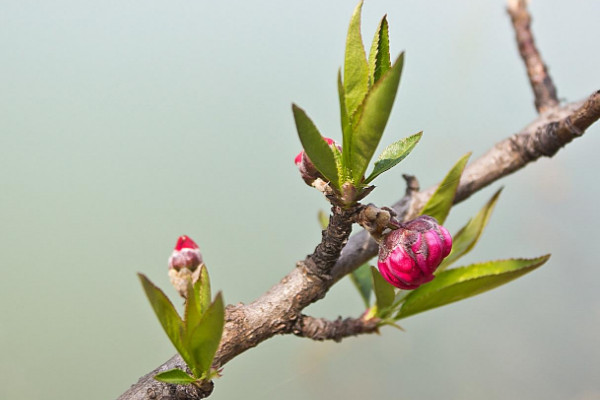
(185, 255)
(183, 265)
(308, 171)
(409, 256)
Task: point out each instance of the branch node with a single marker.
(575, 131)
(412, 184)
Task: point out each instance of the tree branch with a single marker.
(544, 137)
(334, 237)
(541, 83)
(278, 311)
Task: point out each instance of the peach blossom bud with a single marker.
(409, 256)
(185, 255)
(183, 265)
(308, 171)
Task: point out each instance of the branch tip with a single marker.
(543, 88)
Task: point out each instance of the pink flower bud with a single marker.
(409, 256)
(308, 171)
(183, 265)
(185, 255)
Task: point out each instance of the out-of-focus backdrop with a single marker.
(124, 124)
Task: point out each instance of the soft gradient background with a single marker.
(124, 124)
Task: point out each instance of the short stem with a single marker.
(395, 224)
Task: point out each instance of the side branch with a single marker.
(324, 329)
(541, 83)
(543, 138)
(334, 238)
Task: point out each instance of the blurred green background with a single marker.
(124, 124)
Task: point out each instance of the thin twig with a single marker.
(536, 140)
(324, 329)
(541, 83)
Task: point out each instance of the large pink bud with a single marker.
(308, 171)
(409, 256)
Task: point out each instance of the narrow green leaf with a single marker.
(390, 322)
(323, 219)
(372, 118)
(191, 311)
(384, 292)
(441, 202)
(175, 376)
(361, 277)
(166, 313)
(198, 301)
(343, 174)
(393, 154)
(468, 235)
(356, 69)
(459, 283)
(315, 146)
(202, 289)
(379, 56)
(346, 127)
(203, 340)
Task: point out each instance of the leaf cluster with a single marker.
(196, 336)
(366, 95)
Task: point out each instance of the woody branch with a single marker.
(278, 311)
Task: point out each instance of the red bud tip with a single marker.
(308, 171)
(184, 242)
(185, 255)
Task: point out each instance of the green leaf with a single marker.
(315, 146)
(372, 118)
(379, 56)
(202, 289)
(384, 292)
(441, 202)
(199, 300)
(166, 313)
(390, 322)
(343, 174)
(191, 311)
(323, 219)
(361, 277)
(175, 376)
(459, 283)
(203, 340)
(356, 69)
(468, 235)
(346, 127)
(393, 154)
